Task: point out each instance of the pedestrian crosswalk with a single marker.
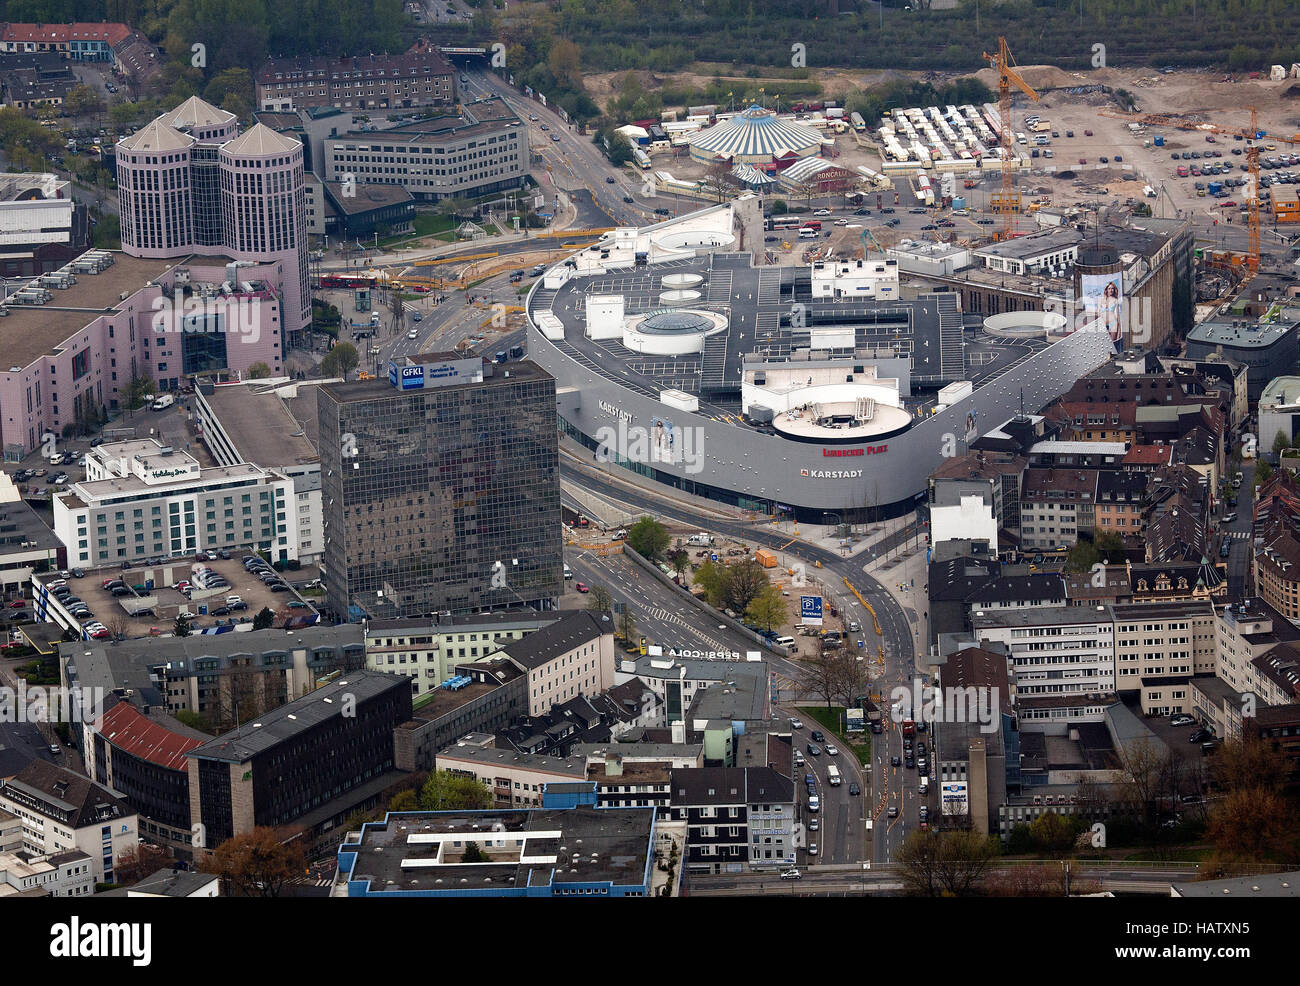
(665, 616)
(1238, 535)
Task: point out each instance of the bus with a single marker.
(346, 281)
(641, 158)
(783, 222)
(833, 776)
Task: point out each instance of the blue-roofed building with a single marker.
(757, 136)
(579, 851)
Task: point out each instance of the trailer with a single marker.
(859, 125)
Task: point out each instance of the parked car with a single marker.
(1181, 720)
(581, 587)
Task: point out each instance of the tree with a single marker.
(258, 371)
(620, 148)
(1082, 557)
(231, 81)
(768, 608)
(141, 861)
(648, 538)
(1280, 442)
(1253, 826)
(945, 864)
(445, 791)
(264, 619)
(473, 853)
(626, 625)
(82, 100)
(341, 360)
(1263, 473)
(194, 720)
(181, 628)
(406, 801)
(138, 391)
(601, 601)
(712, 578)
(1052, 833)
(744, 582)
(1109, 545)
(1143, 765)
(680, 561)
(565, 63)
(1243, 765)
(258, 863)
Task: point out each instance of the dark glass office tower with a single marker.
(441, 489)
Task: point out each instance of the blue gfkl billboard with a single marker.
(410, 377)
(810, 610)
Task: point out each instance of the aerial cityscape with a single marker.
(847, 448)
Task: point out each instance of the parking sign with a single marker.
(810, 610)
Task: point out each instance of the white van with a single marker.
(784, 641)
(923, 785)
(568, 574)
(163, 402)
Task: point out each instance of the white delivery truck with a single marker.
(163, 402)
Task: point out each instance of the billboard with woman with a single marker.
(1103, 299)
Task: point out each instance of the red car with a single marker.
(581, 587)
(18, 604)
(1087, 133)
(1083, 160)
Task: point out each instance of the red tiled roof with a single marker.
(134, 733)
(61, 33)
(1148, 455)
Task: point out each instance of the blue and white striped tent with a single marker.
(751, 177)
(755, 136)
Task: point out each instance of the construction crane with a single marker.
(867, 235)
(1252, 136)
(1007, 200)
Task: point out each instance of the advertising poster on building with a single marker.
(661, 440)
(972, 425)
(954, 797)
(1103, 299)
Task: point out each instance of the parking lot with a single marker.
(157, 581)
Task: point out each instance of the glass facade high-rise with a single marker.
(441, 497)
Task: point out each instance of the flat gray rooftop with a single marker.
(588, 845)
(32, 331)
(262, 427)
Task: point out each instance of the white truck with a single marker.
(702, 539)
(163, 402)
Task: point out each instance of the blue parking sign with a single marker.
(810, 610)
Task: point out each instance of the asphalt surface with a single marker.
(660, 615)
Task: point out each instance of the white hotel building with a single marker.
(142, 499)
(1055, 651)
